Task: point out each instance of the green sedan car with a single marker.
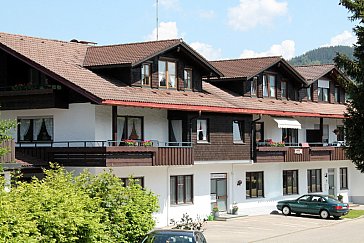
(323, 205)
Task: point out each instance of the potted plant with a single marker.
(215, 211)
(235, 208)
(130, 142)
(147, 143)
(340, 197)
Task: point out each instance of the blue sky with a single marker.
(217, 29)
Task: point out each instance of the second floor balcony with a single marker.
(107, 153)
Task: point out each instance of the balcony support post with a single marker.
(114, 117)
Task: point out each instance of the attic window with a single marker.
(146, 74)
(167, 74)
(253, 87)
(323, 90)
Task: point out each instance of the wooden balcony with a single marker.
(299, 154)
(32, 99)
(9, 157)
(106, 156)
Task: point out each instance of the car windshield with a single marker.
(168, 238)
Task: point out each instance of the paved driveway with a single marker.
(279, 228)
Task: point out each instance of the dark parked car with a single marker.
(174, 236)
(323, 205)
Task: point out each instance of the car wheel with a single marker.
(286, 210)
(324, 214)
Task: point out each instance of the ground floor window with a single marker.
(35, 129)
(314, 180)
(344, 178)
(181, 189)
(290, 182)
(254, 184)
(137, 180)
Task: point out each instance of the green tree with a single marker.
(354, 122)
(5, 133)
(85, 208)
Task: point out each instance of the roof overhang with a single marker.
(286, 122)
(183, 107)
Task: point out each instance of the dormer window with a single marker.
(284, 89)
(269, 85)
(323, 90)
(337, 94)
(146, 74)
(309, 93)
(187, 78)
(167, 74)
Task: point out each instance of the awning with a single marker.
(287, 123)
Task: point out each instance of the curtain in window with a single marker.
(265, 86)
(49, 126)
(120, 129)
(238, 131)
(24, 128)
(37, 125)
(176, 130)
(171, 75)
(134, 128)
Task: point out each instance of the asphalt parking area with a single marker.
(263, 227)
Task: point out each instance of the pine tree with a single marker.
(354, 122)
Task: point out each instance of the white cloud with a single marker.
(286, 49)
(166, 30)
(251, 13)
(344, 39)
(169, 4)
(207, 14)
(207, 50)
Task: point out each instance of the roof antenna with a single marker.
(157, 16)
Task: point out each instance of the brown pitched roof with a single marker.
(245, 68)
(313, 72)
(64, 62)
(126, 53)
(278, 107)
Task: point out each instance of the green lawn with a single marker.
(354, 214)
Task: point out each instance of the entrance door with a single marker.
(219, 191)
(331, 178)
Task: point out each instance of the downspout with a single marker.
(252, 138)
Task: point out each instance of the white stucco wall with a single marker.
(73, 124)
(157, 179)
(155, 121)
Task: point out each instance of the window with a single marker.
(254, 184)
(238, 131)
(269, 85)
(323, 90)
(181, 189)
(290, 182)
(337, 94)
(188, 78)
(129, 128)
(253, 86)
(290, 136)
(137, 180)
(202, 130)
(259, 131)
(146, 75)
(344, 178)
(167, 74)
(35, 129)
(284, 89)
(314, 180)
(309, 93)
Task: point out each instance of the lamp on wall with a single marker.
(239, 183)
(325, 175)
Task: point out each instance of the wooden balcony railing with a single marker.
(91, 153)
(299, 154)
(9, 157)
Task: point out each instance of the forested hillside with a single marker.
(322, 55)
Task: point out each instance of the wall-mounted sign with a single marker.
(218, 176)
(298, 151)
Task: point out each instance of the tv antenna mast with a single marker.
(157, 17)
